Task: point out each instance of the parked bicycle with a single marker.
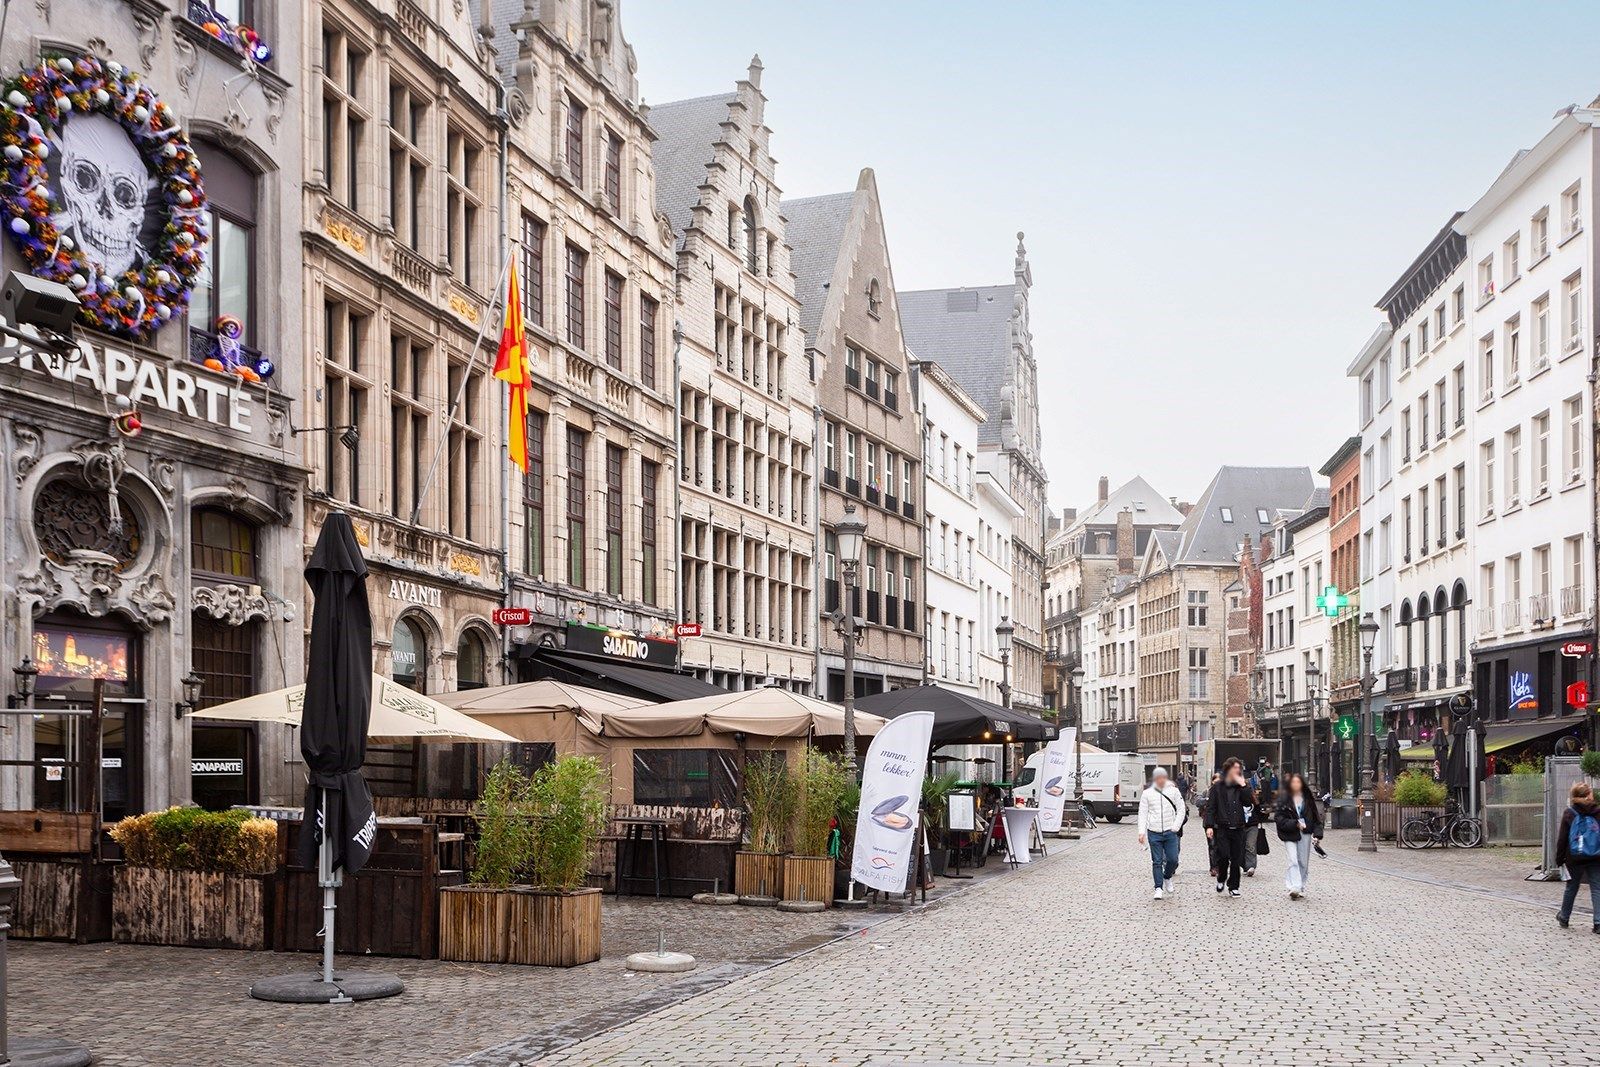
(1451, 827)
(1086, 817)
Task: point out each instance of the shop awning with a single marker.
(1502, 736)
(659, 685)
(959, 717)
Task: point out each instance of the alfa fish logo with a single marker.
(1522, 695)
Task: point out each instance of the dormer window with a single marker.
(1227, 514)
(874, 299)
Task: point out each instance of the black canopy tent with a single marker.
(959, 718)
(645, 683)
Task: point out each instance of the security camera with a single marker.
(37, 302)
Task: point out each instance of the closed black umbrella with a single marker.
(1441, 752)
(1391, 755)
(338, 701)
(1455, 766)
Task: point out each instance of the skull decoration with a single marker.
(103, 186)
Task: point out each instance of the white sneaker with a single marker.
(1156, 895)
(1169, 885)
(1221, 886)
(1294, 894)
(1234, 893)
(1250, 872)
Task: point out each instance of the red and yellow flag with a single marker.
(511, 367)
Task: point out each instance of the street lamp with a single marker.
(1364, 767)
(849, 533)
(1313, 677)
(1003, 634)
(25, 680)
(1077, 742)
(192, 683)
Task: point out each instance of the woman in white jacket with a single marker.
(1162, 813)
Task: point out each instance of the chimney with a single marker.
(1105, 488)
(1183, 508)
(1068, 517)
(1124, 540)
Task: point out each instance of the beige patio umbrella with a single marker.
(765, 712)
(398, 714)
(527, 709)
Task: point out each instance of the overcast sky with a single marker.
(1215, 194)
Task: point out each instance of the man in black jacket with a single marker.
(1227, 818)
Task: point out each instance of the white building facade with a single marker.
(950, 497)
(998, 512)
(1373, 370)
(1530, 328)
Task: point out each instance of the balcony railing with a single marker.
(1572, 600)
(1485, 621)
(1511, 615)
(1461, 672)
(1541, 609)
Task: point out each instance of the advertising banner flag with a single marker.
(891, 789)
(1055, 780)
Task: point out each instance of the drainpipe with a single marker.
(677, 481)
(817, 445)
(1594, 543)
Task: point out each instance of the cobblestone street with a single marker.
(1389, 969)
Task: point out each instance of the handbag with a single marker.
(1261, 842)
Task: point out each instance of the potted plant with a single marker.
(769, 804)
(845, 812)
(808, 872)
(1590, 762)
(936, 807)
(193, 877)
(527, 901)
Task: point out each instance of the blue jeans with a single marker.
(1569, 897)
(1163, 855)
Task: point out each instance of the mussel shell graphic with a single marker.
(889, 805)
(1053, 787)
(889, 816)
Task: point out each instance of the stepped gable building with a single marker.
(870, 437)
(982, 338)
(747, 428)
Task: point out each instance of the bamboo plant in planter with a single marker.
(808, 873)
(195, 878)
(527, 901)
(936, 808)
(769, 796)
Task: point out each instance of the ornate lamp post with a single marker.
(1077, 740)
(25, 678)
(1365, 770)
(1003, 634)
(1313, 693)
(192, 684)
(850, 532)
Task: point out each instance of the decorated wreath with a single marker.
(102, 190)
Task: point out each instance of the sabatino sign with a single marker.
(622, 645)
(183, 389)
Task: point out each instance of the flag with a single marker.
(511, 367)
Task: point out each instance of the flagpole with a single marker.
(461, 390)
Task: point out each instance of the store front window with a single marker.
(74, 655)
(471, 662)
(409, 656)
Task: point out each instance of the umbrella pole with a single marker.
(329, 883)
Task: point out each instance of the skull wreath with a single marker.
(102, 190)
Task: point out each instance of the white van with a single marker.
(1112, 782)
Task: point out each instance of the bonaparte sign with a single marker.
(625, 645)
(182, 389)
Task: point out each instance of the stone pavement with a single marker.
(1070, 962)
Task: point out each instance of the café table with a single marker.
(1019, 828)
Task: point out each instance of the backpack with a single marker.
(1583, 840)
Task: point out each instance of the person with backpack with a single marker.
(1228, 816)
(1299, 826)
(1578, 851)
(1162, 813)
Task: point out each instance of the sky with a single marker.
(1214, 194)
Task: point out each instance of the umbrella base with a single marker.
(311, 989)
(46, 1052)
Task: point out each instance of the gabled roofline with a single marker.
(1571, 125)
(1351, 446)
(1375, 344)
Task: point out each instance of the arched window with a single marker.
(226, 284)
(471, 661)
(750, 235)
(874, 298)
(1405, 623)
(221, 545)
(408, 656)
(1423, 613)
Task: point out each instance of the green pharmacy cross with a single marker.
(1331, 601)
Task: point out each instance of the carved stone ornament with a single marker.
(149, 29)
(231, 605)
(163, 474)
(151, 600)
(29, 447)
(188, 60)
(274, 110)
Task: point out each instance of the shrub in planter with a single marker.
(936, 809)
(505, 827)
(1417, 789)
(808, 874)
(1590, 764)
(193, 877)
(769, 800)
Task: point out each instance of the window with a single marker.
(408, 166)
(614, 456)
(1541, 453)
(532, 279)
(1405, 530)
(222, 545)
(1197, 674)
(1262, 517)
(891, 389)
(1439, 327)
(692, 777)
(1486, 366)
(1422, 424)
(1485, 280)
(224, 656)
(1385, 544)
(1405, 353)
(1541, 333)
(1539, 235)
(1573, 591)
(225, 284)
(1461, 500)
(613, 172)
(1513, 333)
(577, 264)
(408, 656)
(344, 116)
(1368, 470)
(1422, 338)
(1405, 436)
(1197, 607)
(1513, 467)
(751, 235)
(1514, 579)
(464, 206)
(1574, 443)
(1227, 514)
(1384, 383)
(1571, 211)
(649, 476)
(1366, 399)
(1458, 305)
(577, 495)
(1512, 253)
(410, 414)
(533, 498)
(1422, 521)
(613, 320)
(1542, 576)
(462, 476)
(574, 141)
(1486, 476)
(1574, 298)
(851, 470)
(830, 434)
(648, 310)
(852, 366)
(344, 400)
(905, 483)
(1486, 586)
(1385, 460)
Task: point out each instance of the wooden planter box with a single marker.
(758, 874)
(808, 878)
(478, 924)
(197, 909)
(61, 898)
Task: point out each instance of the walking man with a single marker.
(1227, 818)
(1162, 813)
